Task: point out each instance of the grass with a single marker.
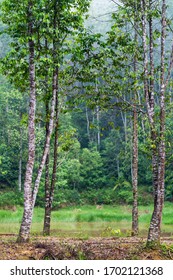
(86, 221)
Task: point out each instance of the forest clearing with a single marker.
(86, 129)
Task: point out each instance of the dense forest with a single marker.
(86, 106)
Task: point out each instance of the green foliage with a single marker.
(91, 170)
(65, 197)
(12, 107)
(11, 198)
(99, 196)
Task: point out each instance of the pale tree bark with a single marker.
(157, 135)
(155, 225)
(53, 106)
(135, 228)
(47, 142)
(98, 117)
(29, 192)
(30, 199)
(124, 120)
(47, 176)
(27, 215)
(98, 126)
(46, 229)
(50, 187)
(20, 163)
(88, 124)
(47, 171)
(150, 103)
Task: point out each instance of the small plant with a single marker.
(107, 232)
(81, 256)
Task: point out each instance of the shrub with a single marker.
(99, 196)
(11, 198)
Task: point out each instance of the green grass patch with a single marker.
(9, 216)
(92, 214)
(86, 221)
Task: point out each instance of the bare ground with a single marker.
(47, 248)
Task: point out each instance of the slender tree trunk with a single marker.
(124, 119)
(20, 163)
(155, 225)
(51, 188)
(27, 215)
(150, 104)
(157, 138)
(47, 177)
(29, 194)
(47, 142)
(20, 175)
(46, 228)
(135, 228)
(135, 174)
(88, 124)
(98, 126)
(53, 106)
(97, 117)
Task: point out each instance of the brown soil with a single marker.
(44, 248)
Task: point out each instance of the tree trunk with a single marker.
(47, 142)
(50, 188)
(155, 225)
(29, 194)
(47, 210)
(47, 178)
(135, 174)
(28, 210)
(124, 119)
(135, 228)
(20, 163)
(98, 126)
(88, 124)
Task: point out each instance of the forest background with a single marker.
(95, 147)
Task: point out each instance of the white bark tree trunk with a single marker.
(28, 210)
(135, 228)
(20, 164)
(155, 225)
(30, 193)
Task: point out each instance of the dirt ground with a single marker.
(50, 248)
